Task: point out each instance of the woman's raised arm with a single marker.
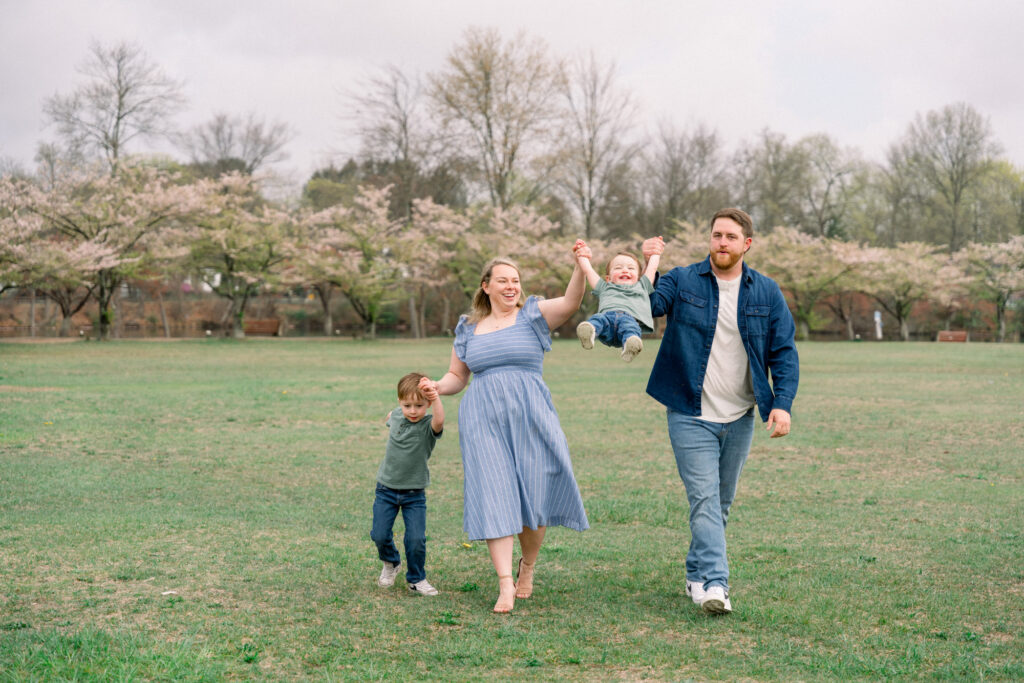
(558, 310)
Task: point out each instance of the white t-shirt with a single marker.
(728, 392)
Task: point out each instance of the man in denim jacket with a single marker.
(728, 327)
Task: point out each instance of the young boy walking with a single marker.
(402, 481)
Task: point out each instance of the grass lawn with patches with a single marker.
(201, 510)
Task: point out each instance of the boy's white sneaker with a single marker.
(586, 332)
(388, 574)
(716, 601)
(633, 346)
(422, 588)
(695, 589)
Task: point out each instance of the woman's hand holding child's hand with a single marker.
(581, 250)
(428, 388)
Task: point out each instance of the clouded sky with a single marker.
(858, 70)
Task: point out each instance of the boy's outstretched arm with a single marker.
(652, 266)
(429, 390)
(652, 250)
(582, 253)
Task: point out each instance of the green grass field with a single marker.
(200, 510)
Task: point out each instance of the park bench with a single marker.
(952, 336)
(270, 327)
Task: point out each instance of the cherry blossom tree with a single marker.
(239, 244)
(847, 289)
(901, 277)
(121, 217)
(357, 253)
(996, 274)
(806, 267)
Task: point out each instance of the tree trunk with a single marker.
(414, 319)
(805, 330)
(32, 313)
(904, 330)
(850, 334)
(163, 314)
(1001, 323)
(446, 316)
(106, 316)
(238, 324)
(328, 321)
(65, 327)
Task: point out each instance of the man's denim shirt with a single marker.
(689, 298)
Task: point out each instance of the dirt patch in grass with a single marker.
(16, 389)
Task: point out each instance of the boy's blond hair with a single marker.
(409, 386)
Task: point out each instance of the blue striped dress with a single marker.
(514, 454)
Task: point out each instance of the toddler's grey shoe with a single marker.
(586, 332)
(388, 574)
(633, 346)
(422, 588)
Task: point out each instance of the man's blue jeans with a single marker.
(413, 504)
(613, 328)
(710, 457)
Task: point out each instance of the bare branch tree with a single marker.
(599, 118)
(232, 143)
(497, 98)
(951, 150)
(125, 97)
(685, 174)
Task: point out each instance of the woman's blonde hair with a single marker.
(481, 301)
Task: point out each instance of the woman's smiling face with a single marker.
(504, 288)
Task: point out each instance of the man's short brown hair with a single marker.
(741, 217)
(409, 386)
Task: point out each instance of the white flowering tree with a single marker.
(901, 277)
(996, 274)
(352, 248)
(239, 244)
(106, 222)
(807, 268)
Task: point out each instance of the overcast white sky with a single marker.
(858, 70)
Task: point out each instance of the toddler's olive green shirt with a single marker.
(409, 447)
(632, 299)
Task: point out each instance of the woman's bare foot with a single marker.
(524, 582)
(507, 596)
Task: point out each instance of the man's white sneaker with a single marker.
(388, 574)
(586, 332)
(422, 588)
(633, 346)
(695, 589)
(716, 601)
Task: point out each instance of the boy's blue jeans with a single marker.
(613, 328)
(710, 457)
(413, 504)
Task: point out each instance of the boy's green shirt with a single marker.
(632, 299)
(405, 457)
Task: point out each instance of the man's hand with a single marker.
(653, 246)
(779, 422)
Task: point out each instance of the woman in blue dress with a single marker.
(518, 476)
